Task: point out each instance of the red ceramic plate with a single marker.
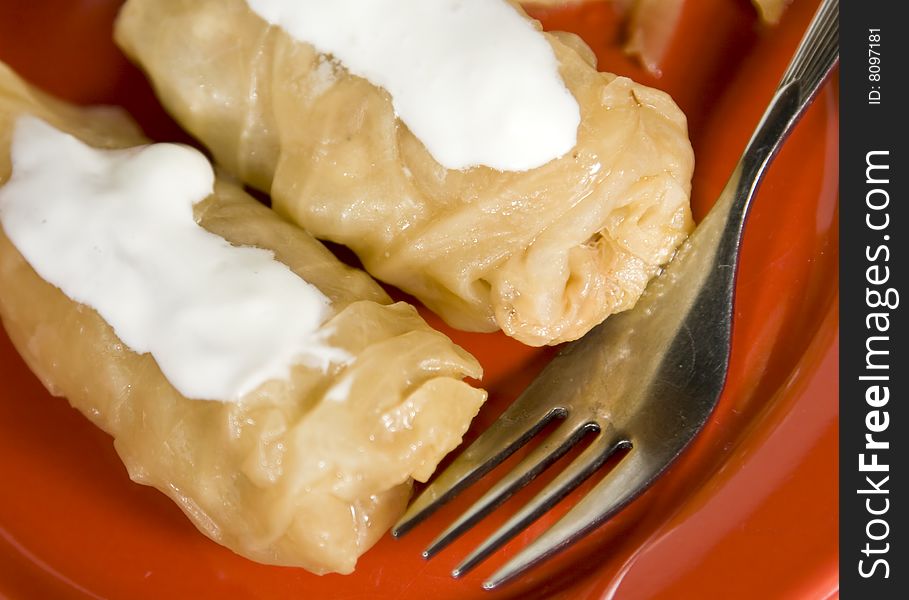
(749, 511)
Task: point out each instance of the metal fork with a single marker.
(646, 379)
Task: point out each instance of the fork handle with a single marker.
(815, 57)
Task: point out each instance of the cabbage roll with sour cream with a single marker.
(467, 157)
(275, 394)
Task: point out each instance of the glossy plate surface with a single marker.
(750, 510)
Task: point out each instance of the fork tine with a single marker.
(518, 424)
(619, 487)
(580, 469)
(554, 446)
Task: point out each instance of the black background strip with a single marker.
(864, 128)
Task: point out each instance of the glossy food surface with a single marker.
(308, 470)
(748, 512)
(543, 254)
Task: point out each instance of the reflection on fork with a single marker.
(646, 379)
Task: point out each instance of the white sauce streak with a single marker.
(472, 79)
(114, 229)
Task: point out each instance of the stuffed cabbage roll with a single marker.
(304, 470)
(544, 253)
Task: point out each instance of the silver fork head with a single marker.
(646, 379)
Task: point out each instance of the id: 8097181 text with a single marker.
(874, 65)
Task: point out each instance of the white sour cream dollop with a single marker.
(472, 79)
(114, 230)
